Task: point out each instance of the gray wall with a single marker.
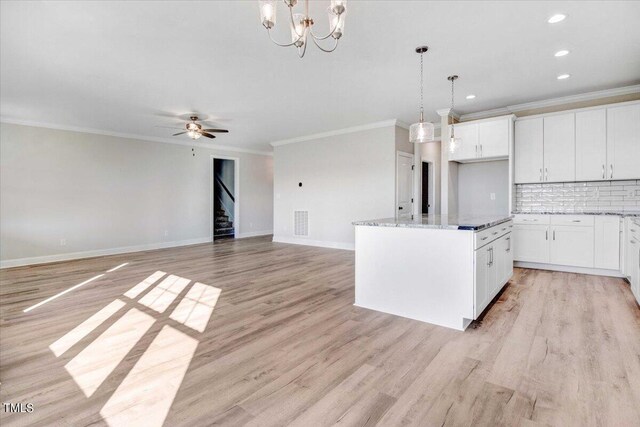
(476, 181)
(344, 178)
(103, 193)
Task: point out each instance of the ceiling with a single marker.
(128, 67)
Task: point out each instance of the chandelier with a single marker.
(422, 131)
(301, 24)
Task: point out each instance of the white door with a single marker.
(571, 245)
(528, 150)
(404, 185)
(493, 138)
(559, 148)
(467, 142)
(623, 142)
(481, 290)
(591, 145)
(531, 243)
(607, 242)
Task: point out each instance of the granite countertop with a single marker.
(623, 214)
(443, 222)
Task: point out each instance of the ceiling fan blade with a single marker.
(216, 130)
(208, 135)
(179, 133)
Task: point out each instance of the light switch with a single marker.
(492, 196)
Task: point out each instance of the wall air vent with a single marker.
(301, 223)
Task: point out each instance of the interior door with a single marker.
(528, 150)
(404, 185)
(559, 148)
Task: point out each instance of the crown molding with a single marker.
(448, 112)
(552, 102)
(369, 126)
(133, 136)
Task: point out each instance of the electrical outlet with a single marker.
(250, 225)
(63, 242)
(166, 233)
(492, 196)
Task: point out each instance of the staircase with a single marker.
(222, 226)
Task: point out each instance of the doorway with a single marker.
(425, 188)
(404, 185)
(225, 195)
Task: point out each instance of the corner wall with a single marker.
(101, 194)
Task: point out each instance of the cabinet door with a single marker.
(607, 242)
(508, 255)
(503, 261)
(623, 142)
(531, 243)
(591, 145)
(571, 246)
(559, 148)
(631, 247)
(467, 142)
(528, 150)
(493, 138)
(635, 279)
(483, 257)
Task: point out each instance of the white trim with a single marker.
(236, 195)
(376, 125)
(185, 142)
(568, 269)
(100, 252)
(588, 96)
(578, 110)
(318, 243)
(446, 112)
(253, 234)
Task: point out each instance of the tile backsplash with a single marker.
(579, 197)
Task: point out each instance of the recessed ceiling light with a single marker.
(472, 96)
(564, 76)
(561, 53)
(556, 18)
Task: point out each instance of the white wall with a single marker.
(106, 194)
(344, 177)
(476, 182)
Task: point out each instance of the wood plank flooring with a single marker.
(285, 346)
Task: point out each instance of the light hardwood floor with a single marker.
(285, 346)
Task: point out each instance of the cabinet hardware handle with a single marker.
(546, 174)
(540, 174)
(504, 228)
(554, 234)
(484, 238)
(611, 175)
(603, 171)
(476, 150)
(633, 229)
(546, 235)
(494, 233)
(576, 220)
(481, 156)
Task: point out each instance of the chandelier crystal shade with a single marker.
(422, 131)
(300, 24)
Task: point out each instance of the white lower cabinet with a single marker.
(632, 256)
(607, 242)
(493, 268)
(571, 245)
(531, 243)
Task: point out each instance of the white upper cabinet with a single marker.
(467, 146)
(528, 149)
(623, 142)
(493, 138)
(488, 139)
(591, 145)
(559, 148)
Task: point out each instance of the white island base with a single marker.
(442, 276)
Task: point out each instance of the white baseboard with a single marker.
(253, 234)
(18, 262)
(318, 243)
(569, 269)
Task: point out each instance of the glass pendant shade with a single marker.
(298, 29)
(268, 13)
(421, 132)
(336, 23)
(193, 134)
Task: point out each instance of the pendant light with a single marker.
(453, 141)
(422, 131)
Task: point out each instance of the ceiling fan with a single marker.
(195, 131)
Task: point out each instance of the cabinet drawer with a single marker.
(488, 235)
(531, 219)
(573, 220)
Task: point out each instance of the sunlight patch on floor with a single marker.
(145, 396)
(142, 286)
(196, 307)
(94, 364)
(62, 293)
(117, 267)
(82, 330)
(161, 297)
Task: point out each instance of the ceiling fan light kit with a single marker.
(194, 130)
(301, 24)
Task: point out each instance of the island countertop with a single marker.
(443, 222)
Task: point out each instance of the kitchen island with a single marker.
(440, 269)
